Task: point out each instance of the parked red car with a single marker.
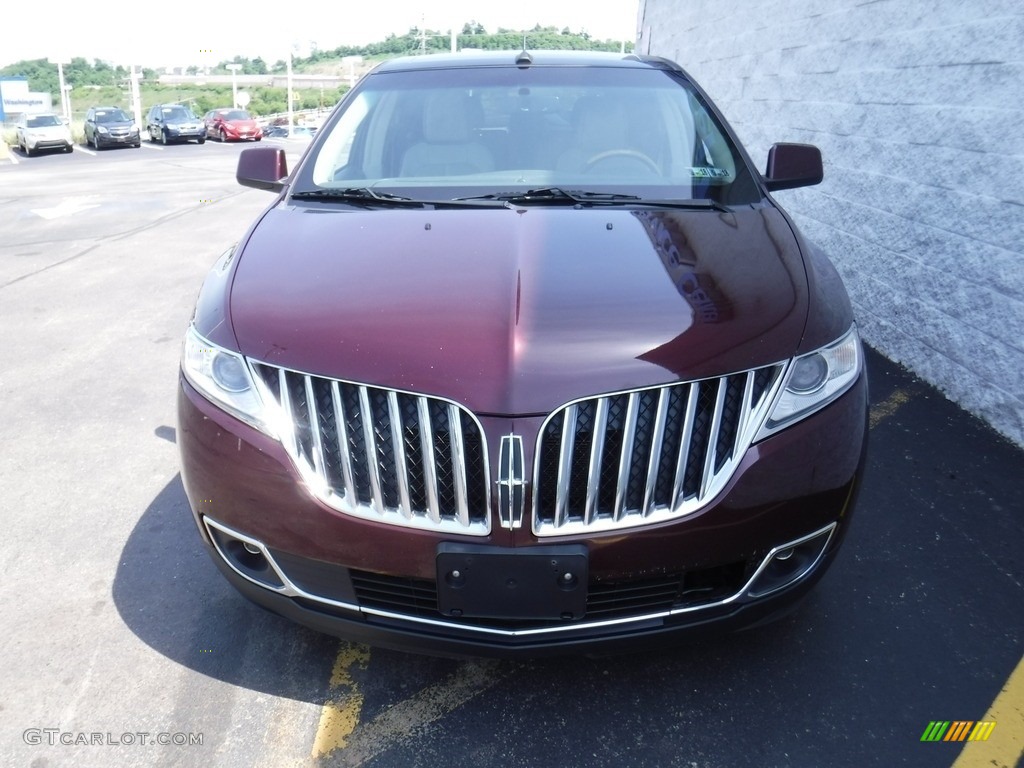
(524, 359)
(231, 125)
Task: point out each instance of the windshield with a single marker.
(236, 114)
(179, 114)
(43, 121)
(111, 116)
(504, 130)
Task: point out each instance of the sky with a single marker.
(208, 33)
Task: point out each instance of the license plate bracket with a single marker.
(475, 581)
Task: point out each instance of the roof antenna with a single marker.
(524, 59)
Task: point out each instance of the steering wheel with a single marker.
(630, 153)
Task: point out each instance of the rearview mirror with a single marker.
(793, 165)
(262, 168)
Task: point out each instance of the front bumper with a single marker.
(46, 143)
(232, 134)
(185, 133)
(378, 583)
(111, 140)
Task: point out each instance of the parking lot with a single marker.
(115, 622)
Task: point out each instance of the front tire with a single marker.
(163, 138)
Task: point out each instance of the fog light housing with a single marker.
(789, 563)
(246, 556)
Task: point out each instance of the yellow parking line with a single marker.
(887, 407)
(340, 714)
(1005, 746)
(405, 719)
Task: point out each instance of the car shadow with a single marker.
(172, 597)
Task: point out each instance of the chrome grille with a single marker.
(381, 454)
(646, 456)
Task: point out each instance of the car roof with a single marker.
(471, 60)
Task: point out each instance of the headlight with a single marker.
(101, 129)
(814, 380)
(223, 378)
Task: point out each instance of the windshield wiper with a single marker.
(559, 196)
(544, 195)
(370, 198)
(696, 204)
(363, 195)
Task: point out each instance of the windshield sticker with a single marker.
(709, 172)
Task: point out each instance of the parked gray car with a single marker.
(110, 126)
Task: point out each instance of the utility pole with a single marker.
(65, 99)
(291, 111)
(234, 84)
(136, 99)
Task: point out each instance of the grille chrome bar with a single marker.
(382, 454)
(564, 466)
(652, 462)
(646, 456)
(401, 467)
(344, 456)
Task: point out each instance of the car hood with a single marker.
(57, 131)
(516, 311)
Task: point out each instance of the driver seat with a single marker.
(600, 127)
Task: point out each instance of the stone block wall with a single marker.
(918, 108)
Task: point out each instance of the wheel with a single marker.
(163, 138)
(69, 148)
(202, 140)
(28, 152)
(258, 138)
(152, 139)
(138, 144)
(223, 136)
(630, 153)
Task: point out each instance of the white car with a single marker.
(47, 131)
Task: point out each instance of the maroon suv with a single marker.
(523, 359)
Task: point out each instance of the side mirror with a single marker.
(793, 165)
(262, 168)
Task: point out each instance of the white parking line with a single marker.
(151, 145)
(85, 150)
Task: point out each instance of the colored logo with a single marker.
(957, 730)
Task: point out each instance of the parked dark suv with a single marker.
(172, 123)
(110, 126)
(524, 359)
